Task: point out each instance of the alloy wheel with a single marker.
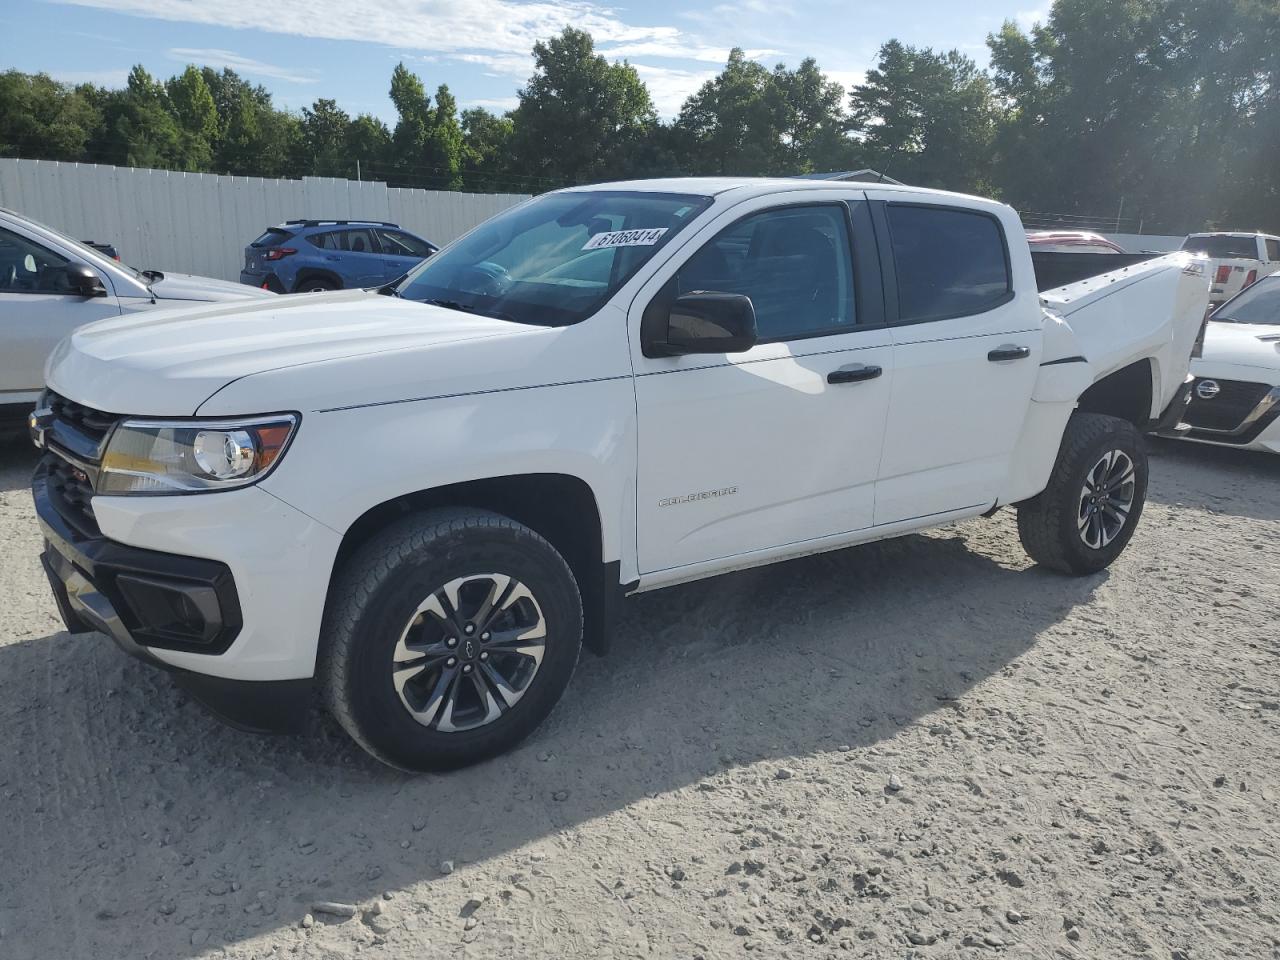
(469, 652)
(1106, 499)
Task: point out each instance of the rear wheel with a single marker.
(1088, 512)
(315, 285)
(449, 637)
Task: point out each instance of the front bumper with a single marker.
(238, 627)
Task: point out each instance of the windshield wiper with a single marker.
(472, 309)
(451, 305)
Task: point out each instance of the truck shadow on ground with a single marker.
(1241, 483)
(157, 820)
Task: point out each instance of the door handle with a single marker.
(854, 374)
(1009, 352)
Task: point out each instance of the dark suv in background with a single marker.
(313, 255)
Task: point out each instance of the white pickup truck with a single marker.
(1236, 260)
(423, 501)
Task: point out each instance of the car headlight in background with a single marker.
(190, 456)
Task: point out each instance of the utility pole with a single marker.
(358, 177)
(1119, 214)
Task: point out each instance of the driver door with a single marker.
(37, 309)
(778, 445)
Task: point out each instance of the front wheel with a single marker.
(448, 638)
(1086, 515)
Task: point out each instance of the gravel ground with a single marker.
(919, 748)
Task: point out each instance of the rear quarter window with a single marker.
(1273, 249)
(950, 262)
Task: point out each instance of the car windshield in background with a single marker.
(555, 260)
(1257, 304)
(1223, 247)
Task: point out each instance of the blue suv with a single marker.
(313, 255)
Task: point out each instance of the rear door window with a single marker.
(950, 262)
(353, 241)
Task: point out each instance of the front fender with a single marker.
(344, 462)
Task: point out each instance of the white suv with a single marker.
(424, 502)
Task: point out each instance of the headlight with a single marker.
(190, 456)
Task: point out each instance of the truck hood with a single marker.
(186, 286)
(1243, 344)
(169, 362)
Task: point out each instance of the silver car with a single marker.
(50, 284)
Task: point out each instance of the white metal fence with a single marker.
(201, 222)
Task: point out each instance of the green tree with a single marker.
(486, 149)
(141, 130)
(734, 123)
(442, 151)
(46, 120)
(925, 117)
(368, 141)
(814, 126)
(324, 136)
(197, 117)
(580, 117)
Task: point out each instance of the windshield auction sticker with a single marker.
(625, 238)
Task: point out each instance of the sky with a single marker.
(345, 50)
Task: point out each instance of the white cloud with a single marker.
(670, 88)
(499, 64)
(1026, 19)
(846, 78)
(496, 104)
(227, 58)
(677, 50)
(446, 26)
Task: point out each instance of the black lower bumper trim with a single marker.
(257, 706)
(1170, 424)
(140, 597)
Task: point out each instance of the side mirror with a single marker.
(702, 322)
(83, 280)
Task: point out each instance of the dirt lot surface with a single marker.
(919, 748)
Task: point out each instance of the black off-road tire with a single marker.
(1049, 523)
(372, 599)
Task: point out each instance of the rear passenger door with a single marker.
(360, 261)
(966, 325)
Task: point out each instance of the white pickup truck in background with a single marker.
(425, 500)
(1236, 260)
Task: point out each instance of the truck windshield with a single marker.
(1259, 303)
(1223, 247)
(554, 260)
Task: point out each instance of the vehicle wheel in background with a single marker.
(448, 638)
(1085, 516)
(315, 285)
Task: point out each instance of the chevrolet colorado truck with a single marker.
(424, 500)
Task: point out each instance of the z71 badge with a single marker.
(704, 495)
